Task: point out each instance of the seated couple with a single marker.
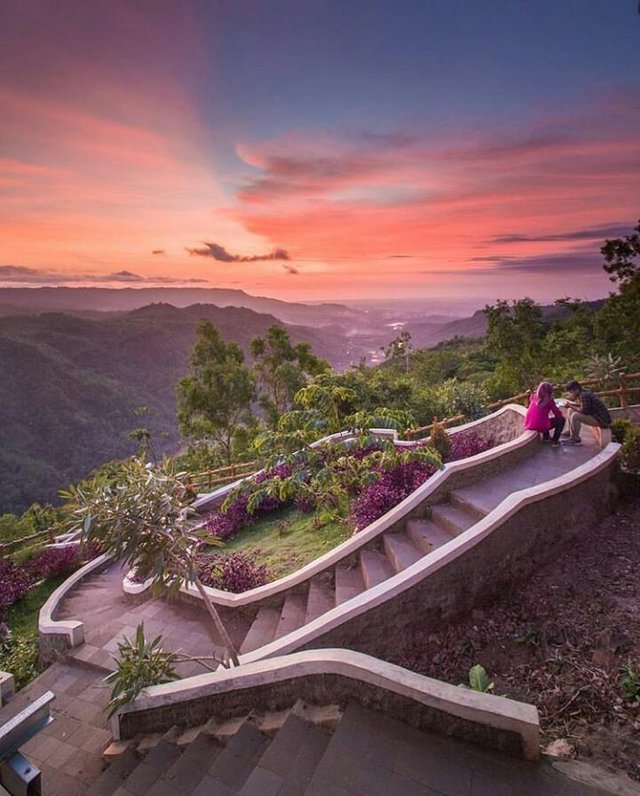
(584, 408)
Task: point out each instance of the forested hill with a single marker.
(70, 385)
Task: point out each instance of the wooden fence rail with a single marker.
(623, 391)
(15, 544)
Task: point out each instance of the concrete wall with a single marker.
(324, 677)
(527, 540)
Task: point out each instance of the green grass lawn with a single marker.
(287, 540)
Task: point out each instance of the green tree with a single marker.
(514, 335)
(140, 520)
(282, 369)
(621, 257)
(214, 401)
(618, 323)
(400, 349)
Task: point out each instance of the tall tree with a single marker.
(282, 369)
(618, 323)
(514, 334)
(400, 349)
(214, 401)
(622, 257)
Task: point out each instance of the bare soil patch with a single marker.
(561, 641)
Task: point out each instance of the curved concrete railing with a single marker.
(335, 676)
(215, 498)
(54, 634)
(447, 556)
(438, 482)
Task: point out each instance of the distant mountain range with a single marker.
(98, 299)
(70, 385)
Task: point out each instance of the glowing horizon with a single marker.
(209, 146)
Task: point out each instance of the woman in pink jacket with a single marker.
(541, 406)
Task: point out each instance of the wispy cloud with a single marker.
(217, 252)
(614, 230)
(573, 261)
(19, 274)
(290, 269)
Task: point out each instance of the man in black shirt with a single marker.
(585, 407)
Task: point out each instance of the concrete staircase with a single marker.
(323, 752)
(394, 552)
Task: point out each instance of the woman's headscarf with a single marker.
(544, 392)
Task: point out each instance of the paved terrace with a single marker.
(109, 616)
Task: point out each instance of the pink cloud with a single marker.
(348, 205)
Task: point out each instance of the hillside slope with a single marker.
(70, 386)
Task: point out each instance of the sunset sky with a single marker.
(316, 149)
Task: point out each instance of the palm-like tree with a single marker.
(139, 518)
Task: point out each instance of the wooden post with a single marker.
(624, 403)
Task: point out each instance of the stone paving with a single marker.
(69, 751)
(109, 615)
(546, 464)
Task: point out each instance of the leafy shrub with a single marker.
(306, 504)
(629, 682)
(54, 561)
(462, 398)
(140, 664)
(630, 450)
(25, 554)
(236, 572)
(224, 524)
(620, 428)
(20, 657)
(5, 638)
(467, 444)
(15, 582)
(441, 441)
(389, 490)
(479, 680)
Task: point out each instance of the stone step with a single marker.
(292, 615)
(461, 502)
(145, 775)
(376, 568)
(289, 761)
(190, 769)
(320, 600)
(426, 535)
(262, 630)
(235, 763)
(400, 550)
(373, 755)
(452, 518)
(349, 583)
(114, 776)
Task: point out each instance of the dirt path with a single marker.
(561, 641)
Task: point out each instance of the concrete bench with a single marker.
(602, 436)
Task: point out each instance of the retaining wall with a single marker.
(336, 677)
